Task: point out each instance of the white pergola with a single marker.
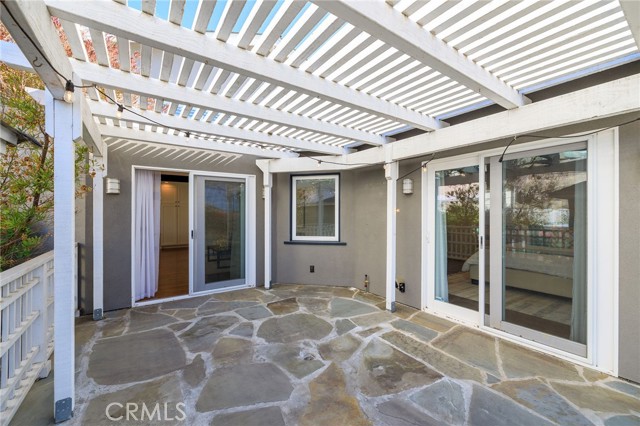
(302, 85)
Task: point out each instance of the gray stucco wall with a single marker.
(629, 362)
(117, 221)
(363, 222)
(362, 228)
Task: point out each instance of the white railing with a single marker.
(324, 230)
(26, 330)
(462, 241)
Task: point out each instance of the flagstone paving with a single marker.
(314, 355)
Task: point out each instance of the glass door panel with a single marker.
(487, 240)
(542, 278)
(455, 250)
(219, 233)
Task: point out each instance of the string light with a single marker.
(562, 137)
(70, 88)
(68, 92)
(423, 166)
(119, 111)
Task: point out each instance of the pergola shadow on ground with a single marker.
(311, 355)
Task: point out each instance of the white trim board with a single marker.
(593, 103)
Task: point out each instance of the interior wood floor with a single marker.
(173, 279)
(543, 312)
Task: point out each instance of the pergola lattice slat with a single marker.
(122, 21)
(103, 109)
(380, 20)
(131, 83)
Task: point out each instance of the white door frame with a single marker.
(603, 207)
(250, 234)
(449, 310)
(251, 215)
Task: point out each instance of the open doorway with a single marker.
(173, 273)
(161, 235)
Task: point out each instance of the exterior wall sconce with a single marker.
(113, 186)
(407, 186)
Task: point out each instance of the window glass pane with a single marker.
(456, 241)
(544, 235)
(315, 207)
(224, 224)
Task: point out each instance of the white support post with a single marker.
(391, 174)
(267, 184)
(98, 239)
(64, 124)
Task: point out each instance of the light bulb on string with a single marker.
(68, 92)
(119, 111)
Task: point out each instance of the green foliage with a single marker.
(464, 210)
(26, 171)
(531, 194)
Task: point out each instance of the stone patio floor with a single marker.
(309, 355)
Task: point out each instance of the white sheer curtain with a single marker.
(442, 285)
(579, 291)
(147, 233)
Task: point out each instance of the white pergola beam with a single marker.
(136, 84)
(91, 135)
(107, 110)
(631, 10)
(355, 160)
(14, 58)
(32, 17)
(184, 142)
(396, 30)
(597, 102)
(122, 21)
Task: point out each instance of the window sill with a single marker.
(317, 243)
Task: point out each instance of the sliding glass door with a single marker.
(454, 223)
(538, 230)
(220, 244)
(507, 244)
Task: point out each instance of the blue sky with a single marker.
(191, 7)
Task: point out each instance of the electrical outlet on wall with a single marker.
(312, 268)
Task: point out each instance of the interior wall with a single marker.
(629, 263)
(117, 219)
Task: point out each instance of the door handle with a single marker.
(192, 234)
